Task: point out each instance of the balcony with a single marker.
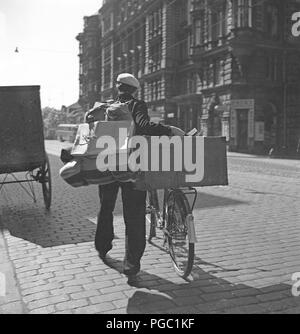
(245, 33)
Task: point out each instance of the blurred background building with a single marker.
(89, 62)
(226, 67)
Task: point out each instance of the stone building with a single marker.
(249, 72)
(89, 62)
(227, 67)
(140, 36)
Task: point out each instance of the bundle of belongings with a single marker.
(82, 160)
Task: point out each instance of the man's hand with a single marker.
(177, 131)
(93, 114)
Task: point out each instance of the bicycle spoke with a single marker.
(181, 251)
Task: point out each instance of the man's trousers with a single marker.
(134, 210)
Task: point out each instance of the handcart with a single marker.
(23, 159)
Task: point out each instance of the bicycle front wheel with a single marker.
(181, 249)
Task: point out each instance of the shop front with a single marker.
(188, 111)
(242, 125)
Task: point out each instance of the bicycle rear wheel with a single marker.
(181, 249)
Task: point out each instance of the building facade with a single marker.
(89, 62)
(140, 37)
(248, 68)
(227, 67)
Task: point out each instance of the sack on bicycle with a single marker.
(82, 169)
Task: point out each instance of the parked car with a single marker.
(66, 132)
(50, 133)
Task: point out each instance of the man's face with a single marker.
(118, 84)
(132, 91)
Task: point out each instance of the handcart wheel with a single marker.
(46, 183)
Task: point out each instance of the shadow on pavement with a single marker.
(204, 293)
(207, 294)
(205, 200)
(47, 230)
(66, 223)
(211, 201)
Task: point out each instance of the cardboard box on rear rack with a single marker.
(204, 163)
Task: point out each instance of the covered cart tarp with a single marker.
(21, 129)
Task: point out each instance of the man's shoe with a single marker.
(102, 255)
(131, 272)
(132, 280)
(131, 275)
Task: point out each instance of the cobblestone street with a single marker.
(248, 248)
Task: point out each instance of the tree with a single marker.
(53, 117)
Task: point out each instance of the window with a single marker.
(243, 13)
(189, 7)
(155, 57)
(198, 32)
(191, 83)
(107, 24)
(154, 91)
(216, 22)
(218, 73)
(107, 76)
(107, 65)
(107, 51)
(272, 68)
(236, 73)
(271, 20)
(155, 23)
(138, 62)
(183, 49)
(123, 44)
(210, 75)
(213, 31)
(221, 27)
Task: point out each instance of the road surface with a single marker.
(248, 249)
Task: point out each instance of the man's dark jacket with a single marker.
(143, 125)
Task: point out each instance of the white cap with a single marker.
(128, 79)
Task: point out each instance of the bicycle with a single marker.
(176, 221)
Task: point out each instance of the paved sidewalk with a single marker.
(248, 249)
(11, 302)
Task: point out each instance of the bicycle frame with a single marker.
(161, 216)
(176, 238)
